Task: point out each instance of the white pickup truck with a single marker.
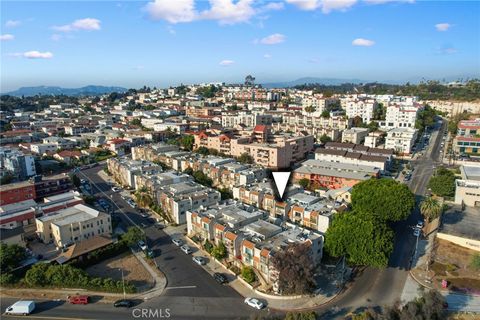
(21, 307)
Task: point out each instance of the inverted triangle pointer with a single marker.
(281, 179)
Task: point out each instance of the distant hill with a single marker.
(324, 81)
(83, 91)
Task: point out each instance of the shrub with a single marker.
(248, 274)
(475, 262)
(208, 246)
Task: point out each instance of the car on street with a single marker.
(142, 245)
(254, 303)
(149, 253)
(115, 189)
(143, 225)
(186, 249)
(159, 226)
(199, 260)
(177, 242)
(131, 203)
(220, 278)
(144, 215)
(83, 181)
(78, 299)
(124, 303)
(416, 232)
(419, 224)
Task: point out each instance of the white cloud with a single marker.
(37, 55)
(171, 30)
(275, 38)
(226, 62)
(341, 5)
(267, 56)
(13, 23)
(363, 42)
(274, 6)
(305, 4)
(87, 24)
(6, 37)
(172, 11)
(443, 26)
(227, 12)
(387, 1)
(326, 5)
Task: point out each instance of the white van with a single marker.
(21, 308)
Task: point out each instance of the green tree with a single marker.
(304, 183)
(248, 274)
(36, 275)
(304, 315)
(219, 252)
(132, 236)
(310, 109)
(203, 151)
(475, 261)
(245, 158)
(11, 255)
(136, 122)
(384, 199)
(226, 193)
(76, 181)
(188, 171)
(324, 139)
(202, 178)
(296, 269)
(443, 183)
(187, 142)
(208, 246)
(372, 126)
(430, 208)
(325, 114)
(357, 122)
(362, 239)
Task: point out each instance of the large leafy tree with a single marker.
(11, 256)
(187, 142)
(443, 183)
(384, 199)
(430, 208)
(132, 236)
(362, 239)
(296, 269)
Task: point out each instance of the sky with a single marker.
(168, 42)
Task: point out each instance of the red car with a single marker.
(78, 299)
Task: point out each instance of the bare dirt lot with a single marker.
(452, 263)
(133, 271)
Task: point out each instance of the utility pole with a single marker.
(123, 284)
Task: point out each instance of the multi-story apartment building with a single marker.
(401, 115)
(42, 148)
(18, 164)
(16, 192)
(125, 171)
(333, 175)
(362, 107)
(401, 140)
(452, 108)
(354, 135)
(73, 225)
(247, 119)
(335, 122)
(273, 151)
(467, 140)
(467, 189)
(177, 199)
(355, 157)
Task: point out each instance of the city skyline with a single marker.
(161, 43)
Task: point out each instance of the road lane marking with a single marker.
(181, 287)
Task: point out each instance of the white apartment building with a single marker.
(231, 120)
(401, 140)
(401, 115)
(41, 148)
(72, 225)
(363, 108)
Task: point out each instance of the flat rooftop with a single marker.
(470, 172)
(75, 214)
(460, 223)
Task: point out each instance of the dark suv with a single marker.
(220, 278)
(123, 304)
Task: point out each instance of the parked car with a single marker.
(131, 203)
(21, 307)
(199, 260)
(144, 215)
(149, 253)
(177, 242)
(419, 224)
(416, 232)
(186, 249)
(142, 245)
(220, 278)
(115, 189)
(78, 299)
(254, 303)
(124, 303)
(159, 226)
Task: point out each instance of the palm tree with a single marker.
(430, 208)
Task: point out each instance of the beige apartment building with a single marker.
(72, 225)
(266, 149)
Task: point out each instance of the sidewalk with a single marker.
(160, 281)
(274, 302)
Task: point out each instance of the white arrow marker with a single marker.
(281, 179)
